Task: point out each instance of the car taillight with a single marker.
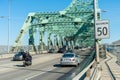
(73, 59)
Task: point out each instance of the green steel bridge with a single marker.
(73, 26)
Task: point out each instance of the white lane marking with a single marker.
(40, 73)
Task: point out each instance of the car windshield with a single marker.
(68, 55)
(51, 49)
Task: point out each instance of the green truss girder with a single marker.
(75, 22)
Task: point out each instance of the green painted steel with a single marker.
(73, 25)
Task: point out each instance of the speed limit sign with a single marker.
(102, 29)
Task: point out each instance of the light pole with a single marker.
(8, 24)
(8, 17)
(8, 31)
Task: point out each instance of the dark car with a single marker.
(51, 51)
(76, 47)
(61, 50)
(18, 56)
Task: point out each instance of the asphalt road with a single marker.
(48, 70)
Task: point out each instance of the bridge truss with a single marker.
(73, 26)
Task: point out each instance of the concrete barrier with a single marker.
(7, 55)
(3, 56)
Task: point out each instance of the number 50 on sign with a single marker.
(102, 29)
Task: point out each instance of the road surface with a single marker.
(42, 69)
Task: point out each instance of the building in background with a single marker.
(114, 48)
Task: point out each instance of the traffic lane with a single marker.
(53, 74)
(21, 73)
(7, 60)
(11, 65)
(51, 67)
(4, 60)
(10, 60)
(27, 72)
(57, 73)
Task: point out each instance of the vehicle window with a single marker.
(18, 54)
(69, 51)
(68, 55)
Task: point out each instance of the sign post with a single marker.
(96, 41)
(101, 30)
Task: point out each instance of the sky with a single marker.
(19, 10)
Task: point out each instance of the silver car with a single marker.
(18, 56)
(70, 59)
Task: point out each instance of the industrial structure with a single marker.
(73, 26)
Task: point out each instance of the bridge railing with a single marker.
(82, 74)
(86, 64)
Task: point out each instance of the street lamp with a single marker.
(8, 23)
(7, 17)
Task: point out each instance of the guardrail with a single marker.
(83, 72)
(86, 65)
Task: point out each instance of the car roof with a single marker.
(18, 53)
(69, 53)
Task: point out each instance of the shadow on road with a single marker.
(59, 65)
(19, 65)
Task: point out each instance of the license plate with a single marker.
(67, 60)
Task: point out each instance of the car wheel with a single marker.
(77, 65)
